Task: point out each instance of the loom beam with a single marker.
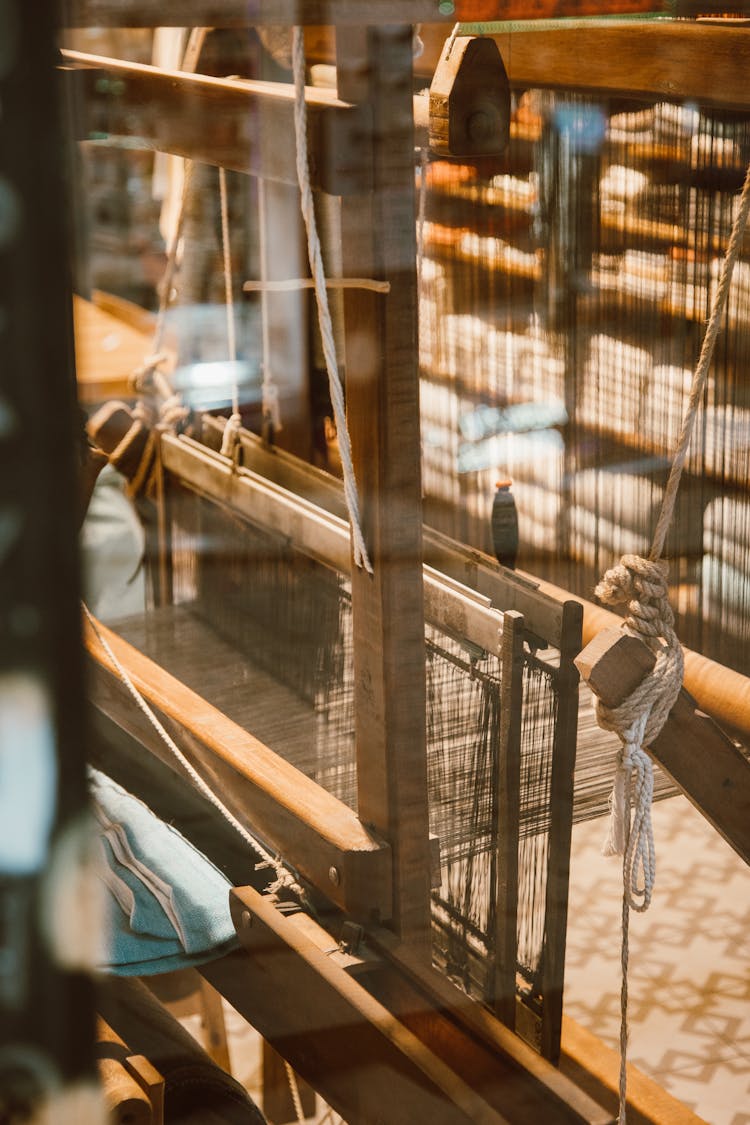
(378, 1046)
(314, 831)
(664, 60)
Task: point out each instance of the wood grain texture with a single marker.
(382, 388)
(288, 811)
(663, 60)
(613, 664)
(239, 14)
(235, 123)
(369, 1063)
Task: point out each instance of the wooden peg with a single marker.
(613, 664)
(469, 100)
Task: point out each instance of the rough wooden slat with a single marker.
(235, 123)
(241, 14)
(368, 1063)
(705, 64)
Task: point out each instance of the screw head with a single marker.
(246, 919)
(334, 876)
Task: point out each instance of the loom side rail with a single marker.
(319, 534)
(315, 832)
(421, 1065)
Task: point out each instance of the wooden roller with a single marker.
(127, 1103)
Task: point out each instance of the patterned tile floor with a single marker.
(689, 955)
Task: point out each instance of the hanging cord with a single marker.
(234, 424)
(284, 877)
(642, 585)
(172, 410)
(291, 1078)
(324, 315)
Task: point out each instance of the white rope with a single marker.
(642, 583)
(233, 426)
(291, 1078)
(324, 315)
(283, 875)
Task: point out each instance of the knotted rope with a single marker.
(315, 256)
(642, 585)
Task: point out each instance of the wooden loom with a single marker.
(385, 870)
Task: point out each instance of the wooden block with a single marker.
(613, 664)
(150, 1081)
(469, 100)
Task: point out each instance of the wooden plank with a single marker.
(506, 589)
(508, 817)
(382, 387)
(709, 769)
(319, 535)
(365, 1061)
(560, 831)
(235, 123)
(289, 812)
(664, 60)
(596, 1067)
(240, 14)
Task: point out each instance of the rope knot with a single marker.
(231, 434)
(642, 584)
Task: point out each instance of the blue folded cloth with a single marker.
(168, 905)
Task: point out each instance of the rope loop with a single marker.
(642, 585)
(231, 435)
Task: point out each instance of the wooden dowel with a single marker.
(127, 1103)
(293, 283)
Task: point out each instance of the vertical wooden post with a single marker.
(560, 829)
(46, 996)
(508, 813)
(379, 241)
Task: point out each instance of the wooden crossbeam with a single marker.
(312, 829)
(240, 14)
(232, 122)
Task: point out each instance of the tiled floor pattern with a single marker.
(689, 979)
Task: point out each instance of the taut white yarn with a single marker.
(324, 315)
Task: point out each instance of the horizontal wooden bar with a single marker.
(292, 283)
(241, 124)
(240, 13)
(662, 60)
(289, 812)
(596, 1067)
(319, 534)
(367, 1061)
(506, 589)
